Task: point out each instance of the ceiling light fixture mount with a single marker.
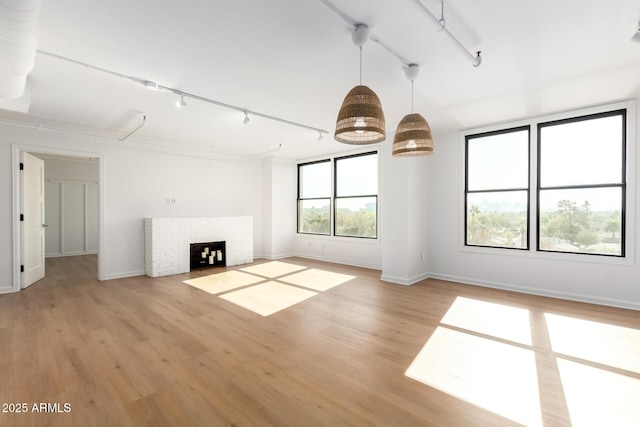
(360, 119)
(413, 136)
(142, 124)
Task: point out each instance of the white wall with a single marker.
(351, 251)
(583, 278)
(6, 237)
(68, 168)
(404, 218)
(71, 206)
(278, 207)
(267, 206)
(136, 184)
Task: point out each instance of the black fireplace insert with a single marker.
(205, 255)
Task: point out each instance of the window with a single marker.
(578, 167)
(356, 195)
(497, 189)
(314, 197)
(581, 184)
(346, 205)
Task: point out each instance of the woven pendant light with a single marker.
(360, 119)
(413, 136)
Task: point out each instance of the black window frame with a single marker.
(497, 190)
(301, 199)
(336, 197)
(622, 185)
(333, 160)
(535, 165)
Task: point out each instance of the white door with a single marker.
(33, 223)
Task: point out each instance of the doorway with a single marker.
(73, 211)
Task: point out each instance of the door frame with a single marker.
(16, 197)
(35, 226)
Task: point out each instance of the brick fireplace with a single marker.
(168, 241)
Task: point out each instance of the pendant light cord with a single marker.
(411, 96)
(360, 65)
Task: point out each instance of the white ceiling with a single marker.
(295, 60)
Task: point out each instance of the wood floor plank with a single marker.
(36, 375)
(7, 365)
(157, 410)
(141, 351)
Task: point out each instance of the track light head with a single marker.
(151, 85)
(181, 103)
(246, 118)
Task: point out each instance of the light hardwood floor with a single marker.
(154, 352)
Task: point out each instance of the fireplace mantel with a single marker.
(167, 241)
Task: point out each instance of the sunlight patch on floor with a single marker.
(318, 280)
(610, 345)
(268, 298)
(222, 282)
(498, 377)
(596, 397)
(496, 320)
(273, 269)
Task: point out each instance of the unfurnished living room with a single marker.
(319, 213)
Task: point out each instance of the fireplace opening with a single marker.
(205, 255)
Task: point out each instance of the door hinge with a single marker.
(22, 269)
(21, 217)
(21, 166)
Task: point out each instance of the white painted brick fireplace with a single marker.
(167, 240)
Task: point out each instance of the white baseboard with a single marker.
(404, 281)
(540, 292)
(6, 290)
(274, 257)
(353, 263)
(61, 254)
(125, 274)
